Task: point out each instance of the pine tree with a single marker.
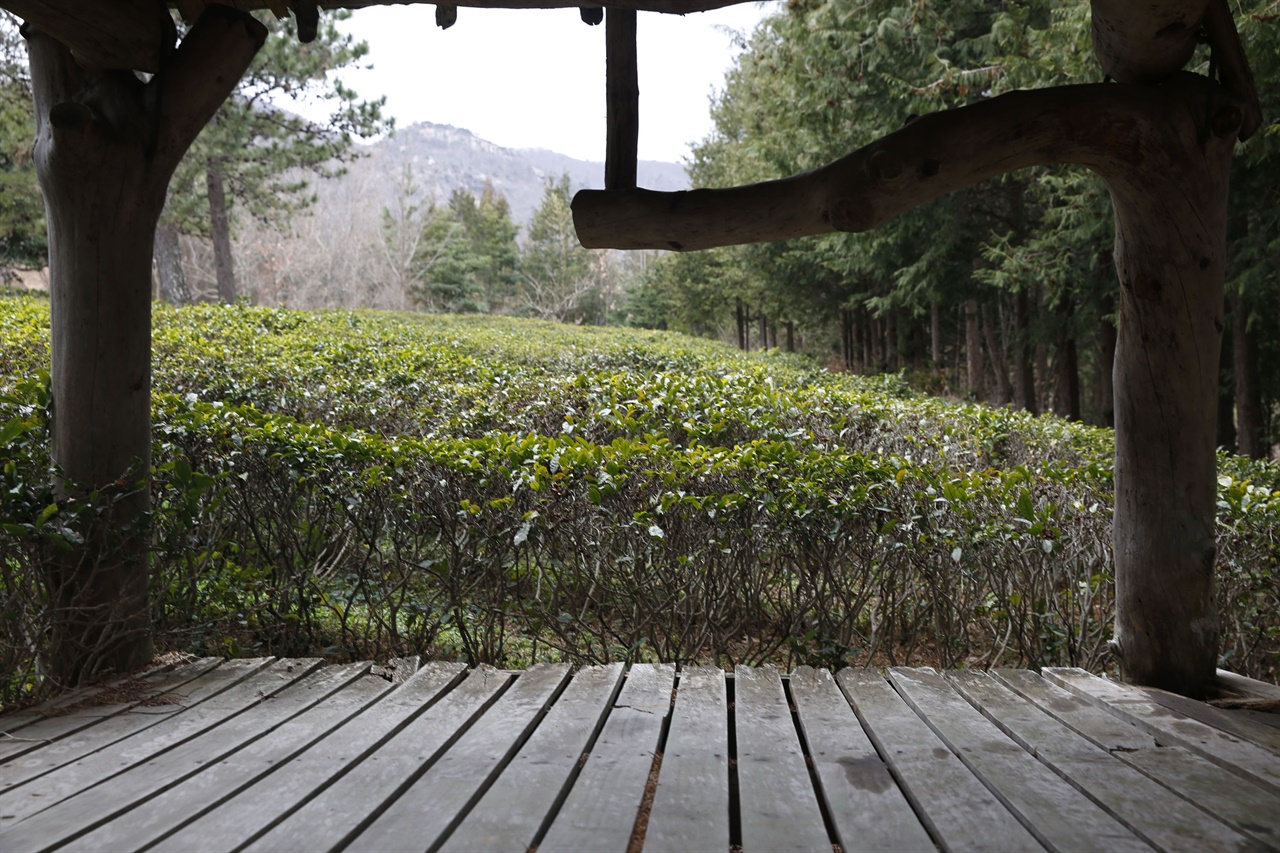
(254, 158)
(558, 276)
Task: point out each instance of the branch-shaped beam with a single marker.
(1101, 126)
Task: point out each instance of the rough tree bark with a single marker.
(1244, 356)
(173, 280)
(935, 336)
(1024, 369)
(1106, 363)
(1066, 365)
(990, 331)
(106, 146)
(1164, 153)
(220, 229)
(975, 366)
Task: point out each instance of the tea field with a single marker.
(491, 489)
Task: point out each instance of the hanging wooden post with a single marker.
(106, 146)
(622, 93)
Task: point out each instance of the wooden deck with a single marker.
(292, 755)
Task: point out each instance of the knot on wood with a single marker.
(847, 214)
(884, 165)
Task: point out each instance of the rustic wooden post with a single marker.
(106, 146)
(1171, 209)
(622, 94)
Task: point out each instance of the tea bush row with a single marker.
(372, 484)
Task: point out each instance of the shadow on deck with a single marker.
(291, 755)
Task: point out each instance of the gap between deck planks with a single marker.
(290, 755)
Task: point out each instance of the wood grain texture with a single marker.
(147, 747)
(1157, 814)
(440, 799)
(259, 806)
(1247, 807)
(691, 803)
(256, 716)
(53, 721)
(512, 811)
(1234, 723)
(777, 802)
(1055, 812)
(600, 811)
(336, 693)
(1169, 727)
(957, 809)
(131, 723)
(340, 811)
(868, 809)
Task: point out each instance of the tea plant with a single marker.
(365, 484)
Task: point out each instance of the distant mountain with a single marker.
(444, 158)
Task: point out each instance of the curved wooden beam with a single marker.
(1101, 126)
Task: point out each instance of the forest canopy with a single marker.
(1004, 292)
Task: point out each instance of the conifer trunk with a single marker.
(173, 280)
(975, 367)
(1024, 368)
(1248, 398)
(220, 229)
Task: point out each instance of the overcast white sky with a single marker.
(534, 78)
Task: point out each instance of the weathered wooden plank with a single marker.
(335, 815)
(1248, 808)
(1113, 734)
(869, 811)
(600, 811)
(1246, 687)
(440, 798)
(1252, 810)
(125, 725)
(1056, 813)
(11, 721)
(256, 808)
(1171, 728)
(691, 803)
(778, 805)
(95, 805)
(512, 811)
(959, 812)
(26, 732)
(1163, 818)
(1232, 722)
(20, 803)
(193, 777)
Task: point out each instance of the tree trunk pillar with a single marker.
(1170, 208)
(106, 146)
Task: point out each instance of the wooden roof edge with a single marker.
(137, 34)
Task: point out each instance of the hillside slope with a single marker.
(444, 158)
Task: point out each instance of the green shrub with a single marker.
(365, 484)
